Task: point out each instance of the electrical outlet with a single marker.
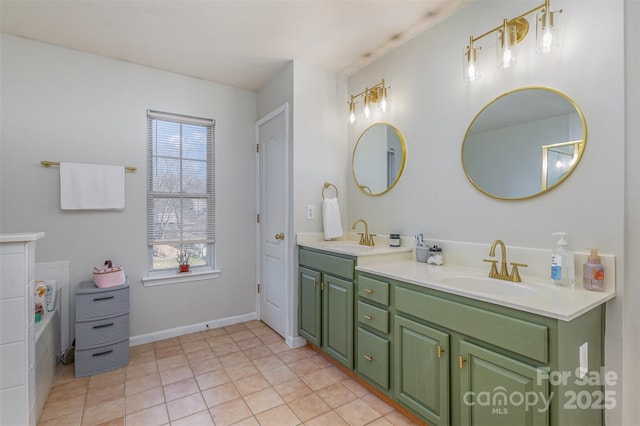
(584, 360)
(311, 212)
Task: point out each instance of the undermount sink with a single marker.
(494, 286)
(345, 245)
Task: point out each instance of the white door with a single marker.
(273, 205)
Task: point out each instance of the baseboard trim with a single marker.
(192, 328)
(295, 341)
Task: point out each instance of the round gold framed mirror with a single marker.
(378, 159)
(524, 143)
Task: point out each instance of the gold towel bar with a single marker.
(45, 163)
(327, 185)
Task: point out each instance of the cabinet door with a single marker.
(497, 390)
(422, 369)
(309, 318)
(337, 332)
(373, 357)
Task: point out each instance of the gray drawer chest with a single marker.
(102, 328)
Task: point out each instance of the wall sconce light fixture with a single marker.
(510, 33)
(372, 96)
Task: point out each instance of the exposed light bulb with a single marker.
(547, 41)
(352, 111)
(471, 71)
(506, 58)
(367, 107)
(383, 101)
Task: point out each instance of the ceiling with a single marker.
(242, 43)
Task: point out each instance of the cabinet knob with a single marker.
(315, 283)
(440, 350)
(368, 358)
(279, 236)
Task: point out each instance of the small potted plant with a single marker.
(183, 261)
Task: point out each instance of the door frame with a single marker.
(291, 336)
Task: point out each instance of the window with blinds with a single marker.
(181, 189)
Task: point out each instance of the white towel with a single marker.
(91, 187)
(331, 219)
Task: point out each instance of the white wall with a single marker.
(432, 106)
(62, 105)
(631, 315)
(318, 150)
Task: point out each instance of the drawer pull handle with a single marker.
(103, 325)
(440, 350)
(461, 360)
(368, 290)
(368, 317)
(315, 283)
(368, 358)
(97, 299)
(103, 353)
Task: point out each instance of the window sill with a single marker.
(179, 277)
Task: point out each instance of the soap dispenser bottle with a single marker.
(593, 272)
(563, 270)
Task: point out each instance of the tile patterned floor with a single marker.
(242, 374)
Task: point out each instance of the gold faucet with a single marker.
(504, 273)
(366, 239)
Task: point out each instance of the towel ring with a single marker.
(327, 185)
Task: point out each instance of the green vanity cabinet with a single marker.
(497, 389)
(373, 358)
(422, 369)
(310, 319)
(326, 302)
(455, 360)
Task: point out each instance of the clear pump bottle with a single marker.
(563, 271)
(593, 272)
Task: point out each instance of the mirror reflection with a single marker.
(524, 143)
(378, 158)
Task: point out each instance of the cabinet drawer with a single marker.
(94, 305)
(373, 357)
(102, 358)
(101, 332)
(522, 337)
(335, 265)
(373, 317)
(374, 290)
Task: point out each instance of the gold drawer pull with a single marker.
(368, 317)
(440, 350)
(368, 358)
(315, 283)
(368, 290)
(461, 360)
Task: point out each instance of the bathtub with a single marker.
(47, 333)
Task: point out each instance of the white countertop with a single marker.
(20, 236)
(352, 248)
(532, 295)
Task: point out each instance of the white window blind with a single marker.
(181, 189)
